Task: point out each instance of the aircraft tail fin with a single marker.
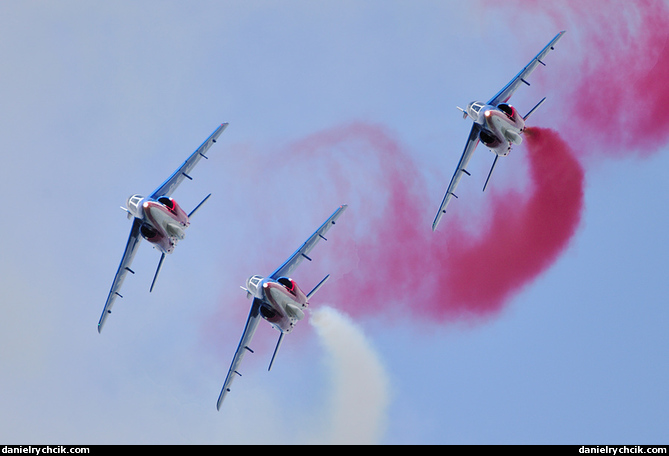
(276, 349)
(198, 206)
(160, 265)
(317, 287)
(490, 173)
(535, 107)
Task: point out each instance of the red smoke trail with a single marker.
(522, 238)
(450, 273)
(611, 101)
(614, 89)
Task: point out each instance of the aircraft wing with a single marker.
(123, 269)
(249, 330)
(303, 252)
(472, 142)
(181, 173)
(503, 95)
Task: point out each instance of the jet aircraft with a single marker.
(497, 125)
(158, 219)
(277, 299)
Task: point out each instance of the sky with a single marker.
(535, 314)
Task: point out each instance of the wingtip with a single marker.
(437, 219)
(221, 128)
(220, 399)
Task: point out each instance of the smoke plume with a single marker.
(612, 94)
(454, 272)
(614, 89)
(360, 388)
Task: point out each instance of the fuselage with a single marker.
(163, 221)
(283, 302)
(501, 126)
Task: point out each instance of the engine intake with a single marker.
(148, 232)
(267, 312)
(489, 139)
(167, 202)
(512, 114)
(287, 282)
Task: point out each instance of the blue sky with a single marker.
(104, 101)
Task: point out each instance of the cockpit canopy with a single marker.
(474, 108)
(252, 284)
(134, 204)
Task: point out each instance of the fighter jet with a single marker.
(277, 299)
(158, 219)
(497, 125)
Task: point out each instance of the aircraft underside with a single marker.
(502, 127)
(165, 224)
(286, 305)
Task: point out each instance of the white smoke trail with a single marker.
(360, 385)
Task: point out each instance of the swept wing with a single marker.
(123, 269)
(300, 254)
(172, 182)
(249, 330)
(472, 142)
(503, 95)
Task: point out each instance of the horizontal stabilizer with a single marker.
(198, 206)
(490, 173)
(129, 214)
(316, 288)
(464, 113)
(276, 349)
(533, 109)
(248, 292)
(160, 265)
